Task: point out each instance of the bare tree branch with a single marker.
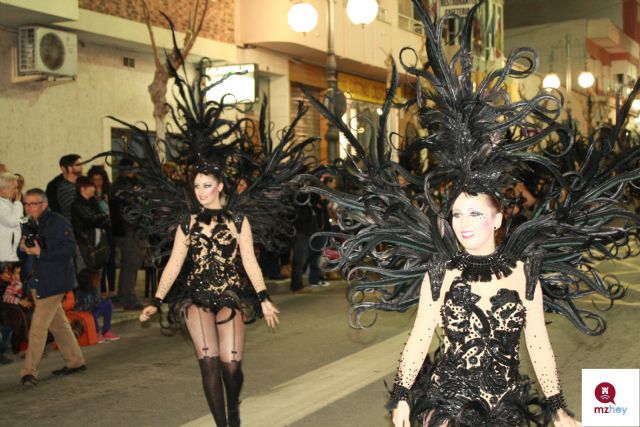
(147, 20)
(193, 29)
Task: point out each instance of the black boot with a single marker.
(233, 379)
(233, 416)
(213, 390)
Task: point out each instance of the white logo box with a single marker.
(619, 405)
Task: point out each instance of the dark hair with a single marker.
(37, 192)
(125, 161)
(99, 170)
(87, 279)
(498, 234)
(207, 168)
(83, 182)
(68, 160)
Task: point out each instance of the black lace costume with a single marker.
(475, 379)
(483, 343)
(212, 242)
(213, 280)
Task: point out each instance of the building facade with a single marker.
(45, 117)
(574, 36)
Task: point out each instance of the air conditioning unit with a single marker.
(42, 50)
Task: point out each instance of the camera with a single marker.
(31, 234)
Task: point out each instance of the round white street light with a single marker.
(551, 81)
(586, 79)
(302, 17)
(362, 11)
(635, 105)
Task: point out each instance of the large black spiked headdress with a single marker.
(478, 135)
(482, 139)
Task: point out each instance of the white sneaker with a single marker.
(320, 284)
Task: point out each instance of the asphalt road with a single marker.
(313, 371)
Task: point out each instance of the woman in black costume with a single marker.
(212, 313)
(482, 305)
(397, 248)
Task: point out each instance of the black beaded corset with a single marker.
(480, 359)
(213, 257)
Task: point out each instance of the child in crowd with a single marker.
(87, 298)
(13, 292)
(15, 312)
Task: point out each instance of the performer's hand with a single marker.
(147, 312)
(562, 419)
(400, 415)
(270, 313)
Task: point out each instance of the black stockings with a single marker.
(233, 378)
(219, 349)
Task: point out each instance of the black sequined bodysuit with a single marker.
(474, 378)
(213, 281)
(477, 375)
(482, 344)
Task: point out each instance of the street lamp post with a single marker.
(359, 12)
(332, 136)
(551, 80)
(585, 80)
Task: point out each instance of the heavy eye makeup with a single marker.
(478, 214)
(474, 214)
(207, 185)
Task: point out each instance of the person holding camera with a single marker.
(52, 245)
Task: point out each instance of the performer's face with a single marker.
(474, 220)
(207, 190)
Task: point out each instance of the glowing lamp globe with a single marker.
(362, 11)
(635, 105)
(551, 81)
(586, 79)
(302, 17)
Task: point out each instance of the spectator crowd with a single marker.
(57, 266)
(58, 253)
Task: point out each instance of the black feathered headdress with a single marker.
(481, 140)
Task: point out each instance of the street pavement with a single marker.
(312, 371)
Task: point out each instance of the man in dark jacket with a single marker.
(130, 245)
(88, 223)
(52, 244)
(306, 224)
(61, 191)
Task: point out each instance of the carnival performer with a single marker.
(207, 229)
(212, 312)
(480, 303)
(458, 256)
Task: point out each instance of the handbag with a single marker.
(95, 256)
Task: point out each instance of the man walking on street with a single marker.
(52, 244)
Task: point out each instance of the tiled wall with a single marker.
(219, 24)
